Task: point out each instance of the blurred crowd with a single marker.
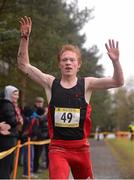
(20, 124)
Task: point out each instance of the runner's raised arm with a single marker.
(45, 80)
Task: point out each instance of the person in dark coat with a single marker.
(9, 115)
(42, 133)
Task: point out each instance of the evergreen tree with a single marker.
(54, 23)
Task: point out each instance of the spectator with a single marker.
(28, 130)
(9, 115)
(44, 155)
(131, 130)
(42, 132)
(97, 133)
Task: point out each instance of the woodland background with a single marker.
(56, 23)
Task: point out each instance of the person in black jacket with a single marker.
(8, 114)
(42, 133)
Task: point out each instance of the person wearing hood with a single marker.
(10, 115)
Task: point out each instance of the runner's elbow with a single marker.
(22, 66)
(120, 83)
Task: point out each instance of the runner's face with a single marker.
(69, 64)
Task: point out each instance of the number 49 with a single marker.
(66, 117)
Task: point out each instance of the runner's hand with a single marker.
(112, 50)
(25, 26)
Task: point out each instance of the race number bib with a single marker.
(67, 117)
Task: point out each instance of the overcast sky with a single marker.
(112, 19)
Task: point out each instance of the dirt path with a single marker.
(105, 166)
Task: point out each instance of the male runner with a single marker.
(69, 108)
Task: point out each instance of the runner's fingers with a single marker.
(117, 44)
(23, 21)
(110, 43)
(113, 44)
(26, 20)
(106, 46)
(29, 21)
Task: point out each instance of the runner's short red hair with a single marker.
(69, 47)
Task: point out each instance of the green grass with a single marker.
(123, 149)
(43, 175)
